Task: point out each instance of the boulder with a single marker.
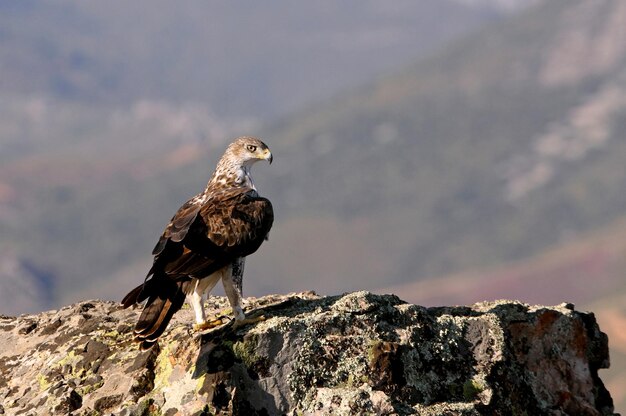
(352, 354)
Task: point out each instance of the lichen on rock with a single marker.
(356, 353)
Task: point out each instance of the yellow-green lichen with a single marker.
(373, 347)
(471, 389)
(148, 408)
(90, 412)
(245, 351)
(111, 334)
(355, 381)
(163, 368)
(200, 383)
(83, 391)
(70, 359)
(44, 383)
(113, 337)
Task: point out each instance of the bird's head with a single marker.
(247, 150)
(233, 169)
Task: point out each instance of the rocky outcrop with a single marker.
(357, 353)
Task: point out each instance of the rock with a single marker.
(357, 353)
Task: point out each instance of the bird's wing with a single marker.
(179, 225)
(203, 238)
(237, 222)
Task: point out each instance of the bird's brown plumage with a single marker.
(226, 222)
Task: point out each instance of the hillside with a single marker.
(104, 108)
(500, 146)
(585, 269)
(490, 151)
(252, 60)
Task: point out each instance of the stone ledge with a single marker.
(356, 353)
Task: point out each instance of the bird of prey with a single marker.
(207, 240)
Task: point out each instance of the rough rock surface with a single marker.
(358, 353)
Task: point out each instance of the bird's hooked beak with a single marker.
(267, 155)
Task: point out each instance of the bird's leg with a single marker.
(234, 297)
(197, 303)
(197, 299)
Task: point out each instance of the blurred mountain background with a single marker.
(114, 114)
(449, 151)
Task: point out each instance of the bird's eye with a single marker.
(251, 147)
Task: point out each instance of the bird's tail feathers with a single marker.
(164, 298)
(133, 297)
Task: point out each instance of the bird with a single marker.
(207, 240)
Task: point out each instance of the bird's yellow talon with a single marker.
(208, 325)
